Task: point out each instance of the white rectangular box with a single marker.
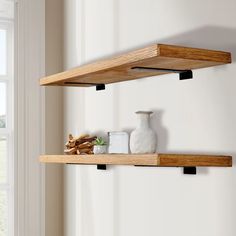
(118, 142)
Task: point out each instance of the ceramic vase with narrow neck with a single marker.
(143, 139)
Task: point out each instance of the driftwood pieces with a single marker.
(80, 145)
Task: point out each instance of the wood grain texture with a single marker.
(167, 160)
(115, 159)
(118, 68)
(194, 160)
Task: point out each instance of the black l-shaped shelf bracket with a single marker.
(98, 86)
(186, 170)
(183, 74)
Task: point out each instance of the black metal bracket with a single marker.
(101, 167)
(190, 170)
(186, 75)
(98, 86)
(183, 74)
(186, 170)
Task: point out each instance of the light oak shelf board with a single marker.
(119, 68)
(162, 160)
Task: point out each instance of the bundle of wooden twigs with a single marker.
(80, 145)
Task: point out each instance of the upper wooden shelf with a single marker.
(167, 160)
(122, 67)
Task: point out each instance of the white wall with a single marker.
(193, 116)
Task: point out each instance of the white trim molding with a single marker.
(29, 118)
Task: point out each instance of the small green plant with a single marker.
(99, 142)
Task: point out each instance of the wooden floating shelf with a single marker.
(159, 160)
(122, 67)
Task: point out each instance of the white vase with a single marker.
(99, 149)
(143, 139)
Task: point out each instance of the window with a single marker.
(3, 52)
(6, 118)
(3, 104)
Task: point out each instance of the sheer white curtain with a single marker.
(22, 49)
(29, 117)
(6, 118)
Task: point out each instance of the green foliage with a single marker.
(2, 122)
(99, 142)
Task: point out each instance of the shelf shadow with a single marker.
(160, 130)
(209, 37)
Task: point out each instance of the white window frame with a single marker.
(8, 132)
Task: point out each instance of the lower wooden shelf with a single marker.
(165, 160)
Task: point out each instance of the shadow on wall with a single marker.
(163, 140)
(209, 37)
(161, 131)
